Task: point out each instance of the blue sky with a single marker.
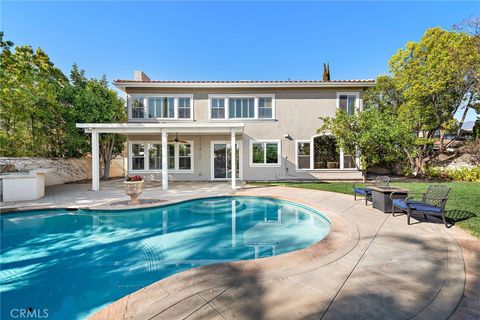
(226, 40)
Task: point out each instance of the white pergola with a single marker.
(162, 129)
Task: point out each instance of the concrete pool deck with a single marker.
(371, 266)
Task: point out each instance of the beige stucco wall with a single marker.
(297, 114)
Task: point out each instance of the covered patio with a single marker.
(162, 130)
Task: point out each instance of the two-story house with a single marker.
(185, 130)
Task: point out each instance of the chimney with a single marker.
(138, 75)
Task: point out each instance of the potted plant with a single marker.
(134, 187)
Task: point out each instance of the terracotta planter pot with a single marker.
(134, 189)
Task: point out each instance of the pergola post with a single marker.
(234, 158)
(164, 160)
(95, 162)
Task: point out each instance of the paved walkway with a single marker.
(371, 266)
(81, 195)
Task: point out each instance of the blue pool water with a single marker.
(71, 263)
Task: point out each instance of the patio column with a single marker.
(234, 157)
(164, 160)
(95, 162)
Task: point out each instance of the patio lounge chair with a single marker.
(381, 181)
(433, 203)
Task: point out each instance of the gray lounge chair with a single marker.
(366, 192)
(432, 204)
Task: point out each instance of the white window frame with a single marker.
(177, 107)
(358, 106)
(225, 106)
(279, 154)
(258, 107)
(255, 97)
(238, 142)
(177, 157)
(147, 154)
(255, 108)
(130, 157)
(130, 106)
(296, 154)
(155, 108)
(175, 97)
(341, 155)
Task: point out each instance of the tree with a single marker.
(476, 129)
(326, 72)
(374, 134)
(40, 106)
(385, 95)
(473, 150)
(91, 101)
(31, 122)
(436, 76)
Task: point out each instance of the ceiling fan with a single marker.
(178, 140)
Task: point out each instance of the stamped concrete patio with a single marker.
(371, 266)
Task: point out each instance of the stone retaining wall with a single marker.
(64, 170)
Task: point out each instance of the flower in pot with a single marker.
(134, 187)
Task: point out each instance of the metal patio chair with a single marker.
(366, 192)
(432, 204)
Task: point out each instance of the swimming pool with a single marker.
(71, 263)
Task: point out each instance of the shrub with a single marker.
(134, 178)
(459, 174)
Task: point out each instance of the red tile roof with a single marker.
(246, 81)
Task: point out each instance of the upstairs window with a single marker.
(157, 106)
(184, 111)
(265, 110)
(217, 109)
(348, 102)
(241, 108)
(161, 107)
(138, 108)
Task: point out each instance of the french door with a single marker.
(221, 154)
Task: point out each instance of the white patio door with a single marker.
(221, 155)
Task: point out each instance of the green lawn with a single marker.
(463, 206)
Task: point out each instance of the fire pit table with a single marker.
(381, 197)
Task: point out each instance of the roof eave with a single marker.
(123, 85)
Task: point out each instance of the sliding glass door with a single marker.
(221, 161)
